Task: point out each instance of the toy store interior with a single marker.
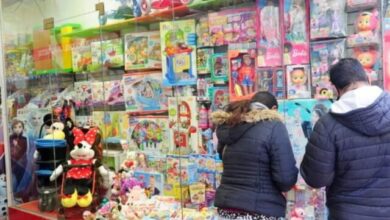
(106, 103)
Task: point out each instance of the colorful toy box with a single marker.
(181, 169)
(327, 19)
(83, 89)
(298, 82)
(113, 92)
(145, 93)
(107, 53)
(233, 26)
(296, 30)
(183, 124)
(272, 80)
(219, 68)
(97, 94)
(178, 52)
(367, 32)
(81, 59)
(219, 97)
(242, 73)
(150, 134)
(202, 30)
(203, 60)
(323, 55)
(153, 182)
(142, 50)
(269, 38)
(114, 125)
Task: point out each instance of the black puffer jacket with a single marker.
(258, 163)
(349, 153)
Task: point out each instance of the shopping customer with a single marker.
(349, 149)
(258, 161)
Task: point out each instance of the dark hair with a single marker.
(16, 122)
(241, 107)
(288, 46)
(346, 72)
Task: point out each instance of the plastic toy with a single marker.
(153, 182)
(298, 82)
(233, 26)
(368, 57)
(296, 46)
(203, 86)
(178, 50)
(354, 5)
(203, 118)
(55, 132)
(242, 73)
(183, 124)
(142, 50)
(150, 134)
(272, 80)
(203, 60)
(327, 19)
(367, 30)
(219, 65)
(323, 55)
(144, 93)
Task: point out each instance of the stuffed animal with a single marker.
(56, 131)
(78, 177)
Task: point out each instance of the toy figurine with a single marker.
(246, 74)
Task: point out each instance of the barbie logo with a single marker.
(299, 53)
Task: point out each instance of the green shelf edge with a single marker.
(120, 25)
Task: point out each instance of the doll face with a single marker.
(298, 77)
(17, 128)
(247, 60)
(366, 59)
(364, 22)
(82, 151)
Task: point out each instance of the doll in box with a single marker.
(368, 57)
(367, 29)
(243, 74)
(269, 19)
(298, 82)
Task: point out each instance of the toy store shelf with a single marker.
(29, 211)
(206, 5)
(160, 16)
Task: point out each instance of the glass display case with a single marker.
(108, 103)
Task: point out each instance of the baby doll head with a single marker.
(298, 76)
(366, 57)
(367, 21)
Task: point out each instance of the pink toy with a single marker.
(367, 28)
(298, 214)
(368, 58)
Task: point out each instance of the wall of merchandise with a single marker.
(160, 83)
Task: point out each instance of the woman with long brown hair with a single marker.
(258, 161)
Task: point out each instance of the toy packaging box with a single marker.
(269, 43)
(219, 97)
(178, 52)
(150, 134)
(83, 89)
(272, 80)
(97, 94)
(183, 124)
(157, 163)
(202, 31)
(198, 193)
(108, 53)
(203, 60)
(145, 93)
(113, 92)
(81, 59)
(296, 29)
(142, 50)
(242, 73)
(114, 125)
(233, 26)
(219, 68)
(327, 19)
(83, 121)
(153, 182)
(369, 58)
(307, 204)
(323, 55)
(356, 5)
(298, 82)
(367, 31)
(203, 86)
(181, 167)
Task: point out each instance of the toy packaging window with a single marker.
(296, 32)
(242, 73)
(298, 82)
(269, 40)
(272, 80)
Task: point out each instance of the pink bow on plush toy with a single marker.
(89, 137)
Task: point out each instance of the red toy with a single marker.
(368, 58)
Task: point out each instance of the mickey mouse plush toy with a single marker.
(78, 177)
